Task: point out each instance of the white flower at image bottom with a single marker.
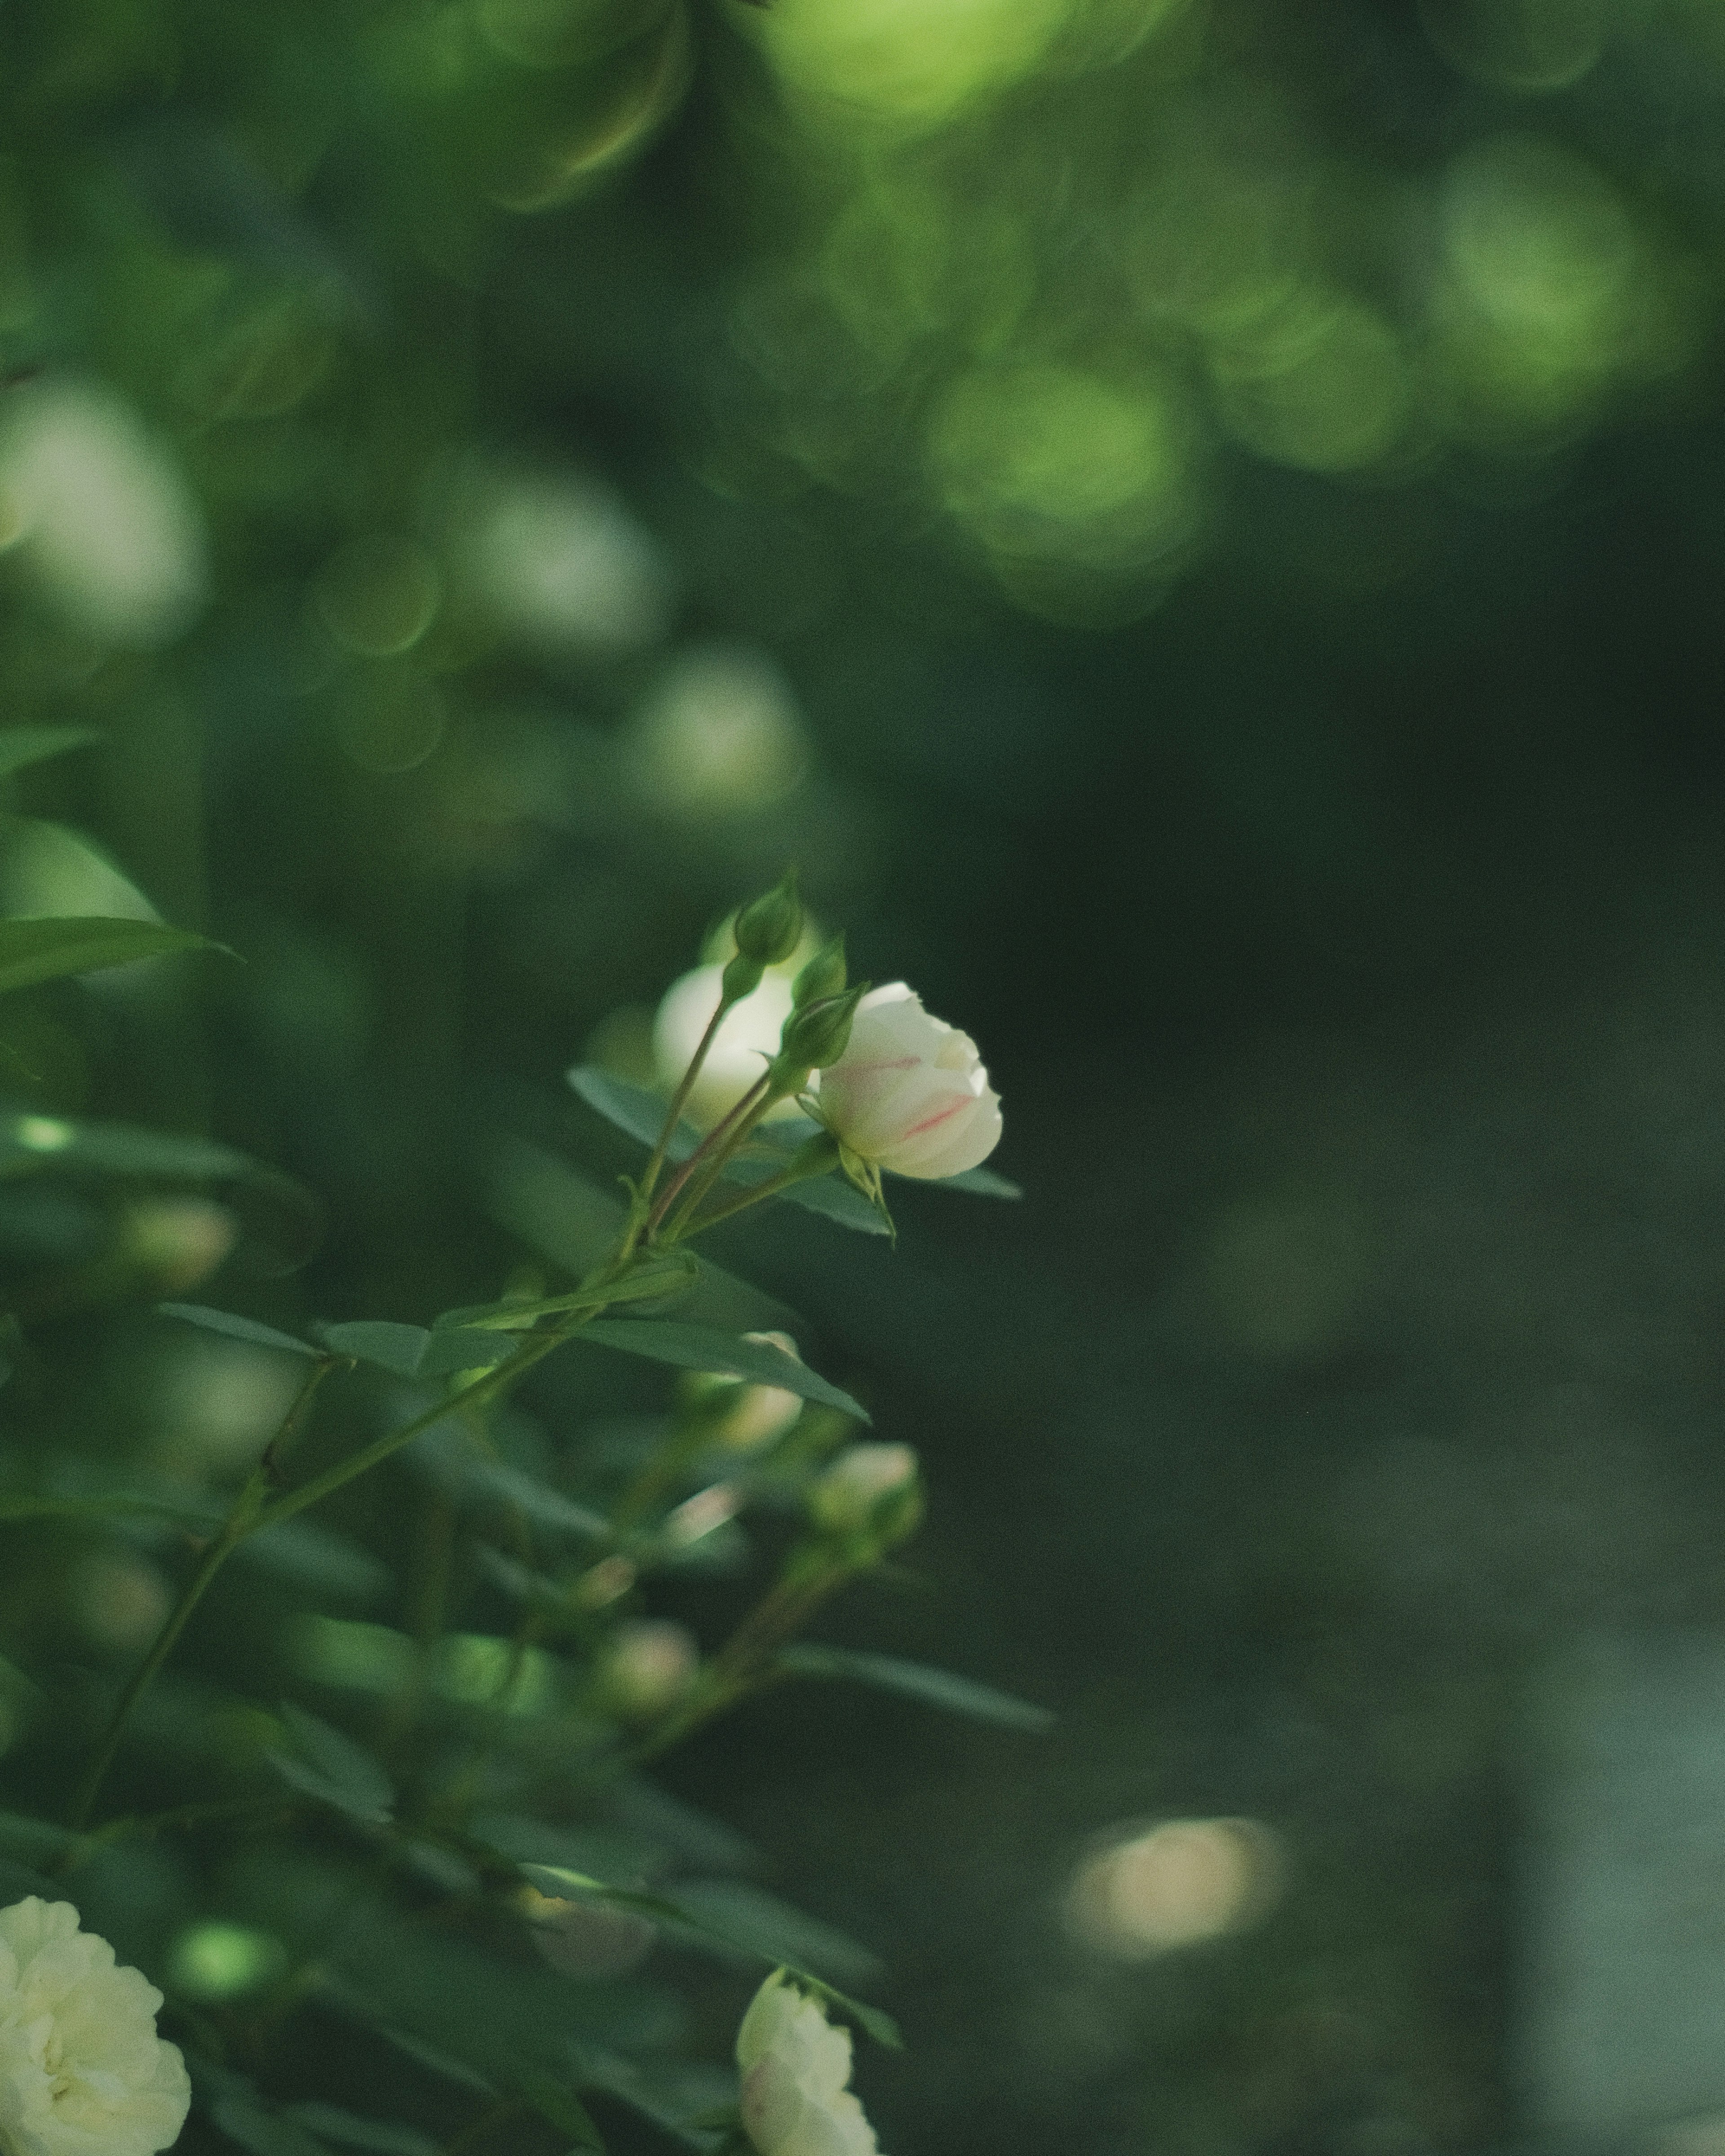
(795, 2067)
(910, 1093)
(82, 2070)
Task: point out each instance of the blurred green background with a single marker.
(1199, 525)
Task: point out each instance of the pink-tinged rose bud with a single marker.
(795, 2066)
(910, 1093)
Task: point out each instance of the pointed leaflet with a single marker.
(21, 746)
(915, 1681)
(668, 1278)
(978, 1183)
(325, 1764)
(236, 1328)
(409, 1351)
(632, 1109)
(553, 1880)
(701, 1348)
(47, 949)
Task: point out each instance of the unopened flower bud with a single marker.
(647, 1666)
(176, 1242)
(818, 1034)
(823, 976)
(910, 1093)
(742, 1416)
(741, 978)
(871, 1488)
(770, 928)
(795, 2066)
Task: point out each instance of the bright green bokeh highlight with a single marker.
(906, 61)
(1045, 459)
(1322, 385)
(209, 1963)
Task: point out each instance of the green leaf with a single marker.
(29, 1505)
(554, 1880)
(934, 1687)
(325, 1764)
(381, 2137)
(699, 1347)
(22, 1836)
(773, 1930)
(835, 1199)
(47, 949)
(243, 2119)
(22, 745)
(670, 1277)
(978, 1183)
(632, 1109)
(237, 1328)
(453, 1456)
(29, 1142)
(409, 1351)
(565, 2110)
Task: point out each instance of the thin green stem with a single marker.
(720, 1137)
(246, 1515)
(679, 1099)
(716, 1167)
(769, 1188)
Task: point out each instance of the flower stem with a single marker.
(719, 1143)
(679, 1099)
(246, 1515)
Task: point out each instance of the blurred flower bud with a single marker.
(584, 1938)
(647, 1665)
(869, 1487)
(120, 1600)
(717, 738)
(770, 929)
(815, 1035)
(176, 1242)
(101, 514)
(823, 976)
(795, 2066)
(909, 1093)
(743, 1047)
(742, 1416)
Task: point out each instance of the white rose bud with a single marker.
(795, 2066)
(82, 2070)
(647, 1666)
(852, 1491)
(910, 1093)
(742, 1047)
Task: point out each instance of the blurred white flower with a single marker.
(910, 1093)
(102, 515)
(795, 2066)
(718, 735)
(82, 2070)
(744, 1045)
(558, 561)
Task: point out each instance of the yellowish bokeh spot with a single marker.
(1150, 1892)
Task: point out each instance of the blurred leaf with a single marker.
(916, 1681)
(557, 1881)
(978, 1183)
(632, 1108)
(238, 1328)
(19, 1881)
(244, 2119)
(47, 949)
(21, 746)
(773, 1930)
(461, 1466)
(565, 2111)
(106, 1504)
(20, 1835)
(697, 1348)
(835, 1200)
(333, 1768)
(314, 1558)
(29, 1141)
(409, 1351)
(382, 2136)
